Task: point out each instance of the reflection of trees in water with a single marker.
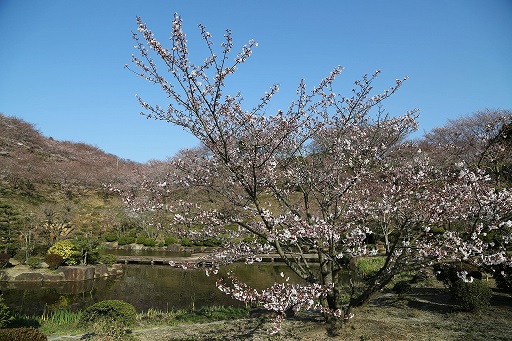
(144, 286)
(35, 298)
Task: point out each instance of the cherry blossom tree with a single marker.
(481, 139)
(313, 183)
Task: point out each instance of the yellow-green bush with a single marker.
(65, 249)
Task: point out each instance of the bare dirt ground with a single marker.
(424, 315)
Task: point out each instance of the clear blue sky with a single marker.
(62, 62)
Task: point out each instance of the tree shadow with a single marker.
(437, 300)
(501, 298)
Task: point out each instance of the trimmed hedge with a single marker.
(125, 240)
(34, 262)
(107, 259)
(472, 296)
(112, 310)
(53, 260)
(146, 241)
(109, 318)
(402, 287)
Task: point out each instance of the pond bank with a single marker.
(425, 314)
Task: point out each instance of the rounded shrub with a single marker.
(471, 296)
(212, 242)
(107, 259)
(111, 237)
(34, 262)
(170, 240)
(109, 317)
(149, 242)
(66, 249)
(53, 260)
(22, 334)
(125, 240)
(146, 241)
(186, 242)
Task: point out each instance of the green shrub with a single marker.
(170, 240)
(125, 240)
(20, 256)
(108, 259)
(146, 241)
(6, 316)
(109, 317)
(53, 260)
(111, 237)
(471, 296)
(4, 259)
(212, 242)
(22, 334)
(149, 242)
(34, 262)
(93, 257)
(437, 230)
(186, 242)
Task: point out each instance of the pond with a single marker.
(145, 253)
(145, 286)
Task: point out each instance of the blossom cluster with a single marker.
(281, 298)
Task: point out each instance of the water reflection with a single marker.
(146, 253)
(144, 286)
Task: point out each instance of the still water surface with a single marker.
(144, 286)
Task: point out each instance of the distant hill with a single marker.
(26, 154)
(44, 181)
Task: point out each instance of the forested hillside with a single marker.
(52, 189)
(27, 156)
